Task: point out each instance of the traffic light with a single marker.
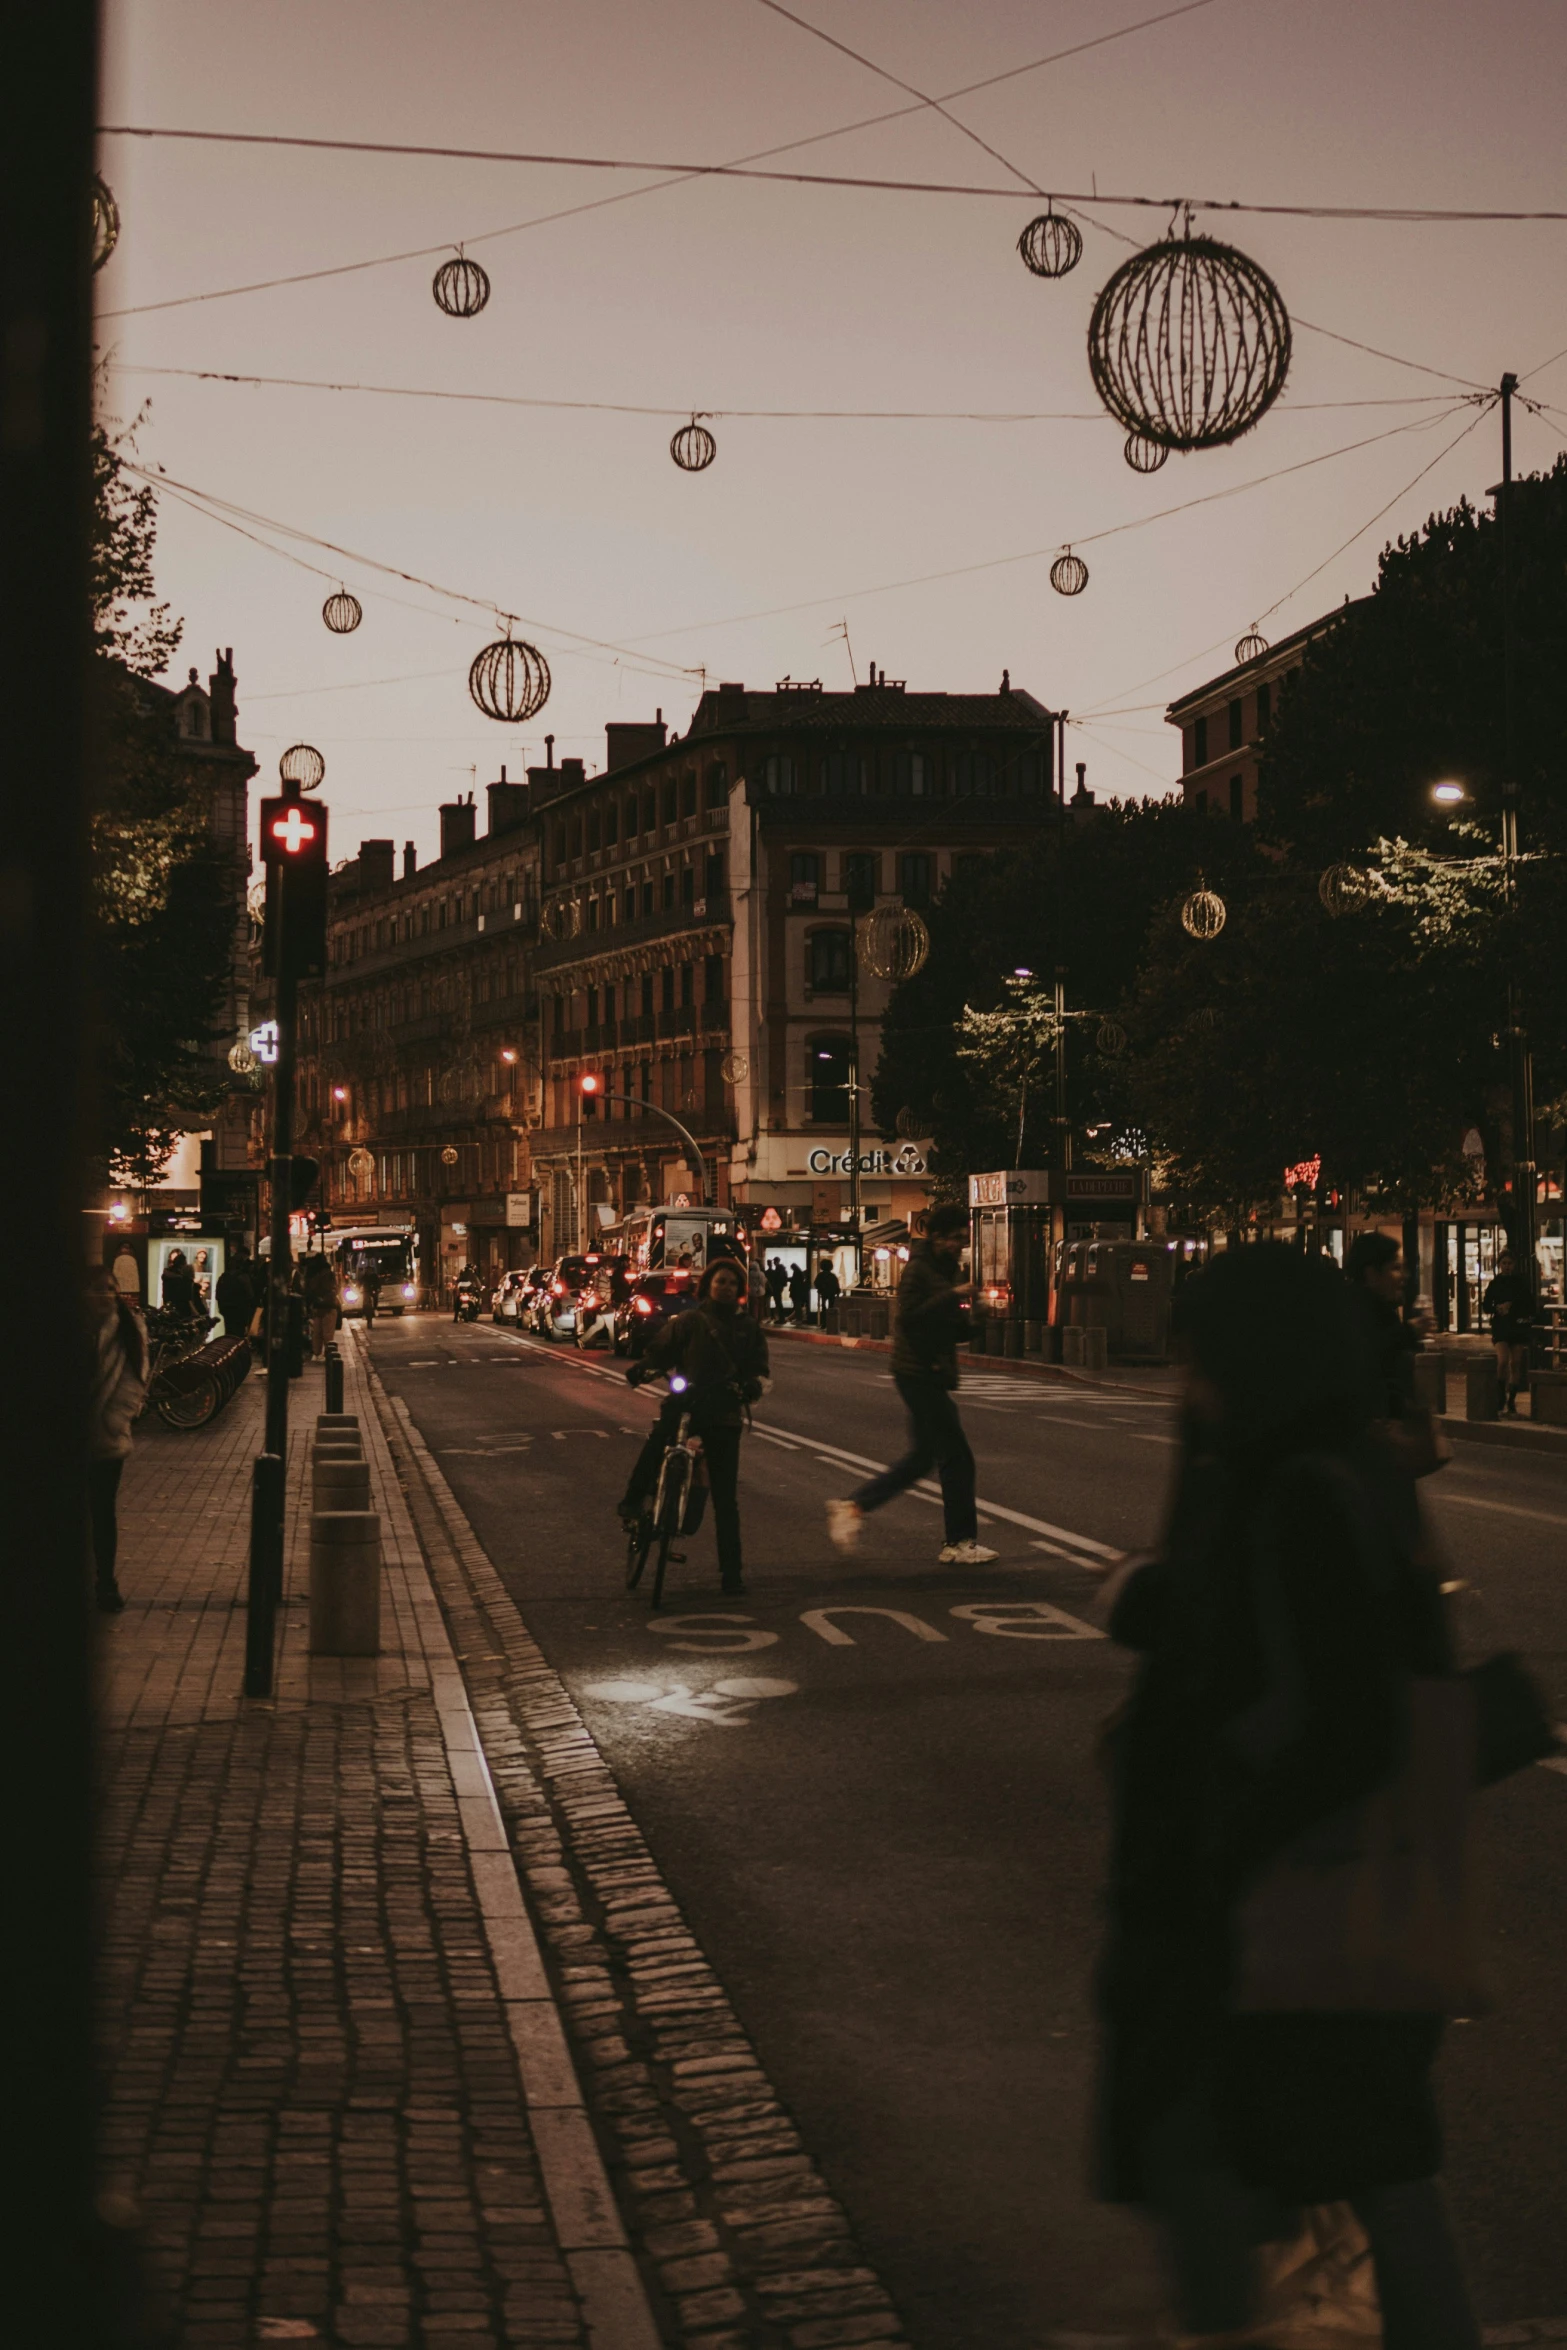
(293, 842)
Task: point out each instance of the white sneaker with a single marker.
(965, 1554)
(844, 1520)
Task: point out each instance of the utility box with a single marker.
(1123, 1287)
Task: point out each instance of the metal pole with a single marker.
(1525, 1177)
(270, 1468)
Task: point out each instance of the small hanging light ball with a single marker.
(342, 613)
(735, 1068)
(1050, 246)
(1343, 889)
(1068, 574)
(1251, 647)
(1189, 343)
(1203, 915)
(105, 222)
(461, 288)
(1111, 1039)
(693, 448)
(1145, 456)
(303, 764)
(894, 942)
(509, 681)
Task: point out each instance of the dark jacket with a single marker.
(722, 1356)
(928, 1319)
(1276, 1637)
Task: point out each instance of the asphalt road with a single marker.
(871, 1786)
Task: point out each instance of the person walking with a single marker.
(179, 1286)
(927, 1325)
(827, 1287)
(236, 1295)
(1509, 1306)
(800, 1293)
(776, 1281)
(120, 1362)
(322, 1302)
(1278, 1631)
(721, 1355)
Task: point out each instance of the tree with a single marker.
(163, 896)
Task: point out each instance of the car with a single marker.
(648, 1305)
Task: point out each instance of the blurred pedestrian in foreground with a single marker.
(119, 1367)
(1508, 1304)
(927, 1324)
(1280, 1632)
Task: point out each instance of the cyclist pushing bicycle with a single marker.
(719, 1355)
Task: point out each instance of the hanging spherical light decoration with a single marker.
(1068, 574)
(894, 942)
(1203, 915)
(735, 1068)
(1050, 246)
(1145, 456)
(510, 681)
(342, 613)
(461, 288)
(1110, 1038)
(105, 222)
(1189, 343)
(1250, 647)
(303, 764)
(693, 448)
(1344, 889)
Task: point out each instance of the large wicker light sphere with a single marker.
(894, 942)
(1069, 574)
(1343, 889)
(342, 613)
(1189, 343)
(1050, 246)
(105, 222)
(509, 681)
(461, 288)
(1203, 915)
(693, 448)
(303, 764)
(1251, 647)
(1145, 456)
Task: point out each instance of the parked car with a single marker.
(647, 1306)
(612, 1280)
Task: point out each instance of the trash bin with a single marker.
(345, 1583)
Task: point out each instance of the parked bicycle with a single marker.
(678, 1504)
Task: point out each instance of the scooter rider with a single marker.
(720, 1356)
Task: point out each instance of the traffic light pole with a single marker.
(270, 1468)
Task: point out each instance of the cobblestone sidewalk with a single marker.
(335, 2083)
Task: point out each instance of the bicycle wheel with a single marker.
(639, 1541)
(191, 1407)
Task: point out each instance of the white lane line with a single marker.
(1507, 1509)
(834, 1456)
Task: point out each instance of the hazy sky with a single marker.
(721, 295)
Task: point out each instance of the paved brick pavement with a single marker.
(322, 2019)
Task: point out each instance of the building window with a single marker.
(827, 1080)
(1237, 798)
(688, 794)
(861, 878)
(717, 784)
(914, 877)
(1264, 709)
(1199, 742)
(827, 962)
(1234, 716)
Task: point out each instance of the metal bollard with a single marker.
(345, 1583)
(334, 1377)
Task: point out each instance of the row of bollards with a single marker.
(345, 1543)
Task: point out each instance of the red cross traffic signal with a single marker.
(293, 844)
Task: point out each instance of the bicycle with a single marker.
(679, 1500)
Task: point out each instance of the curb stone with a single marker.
(745, 2245)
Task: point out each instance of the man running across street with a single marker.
(928, 1323)
(721, 1355)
